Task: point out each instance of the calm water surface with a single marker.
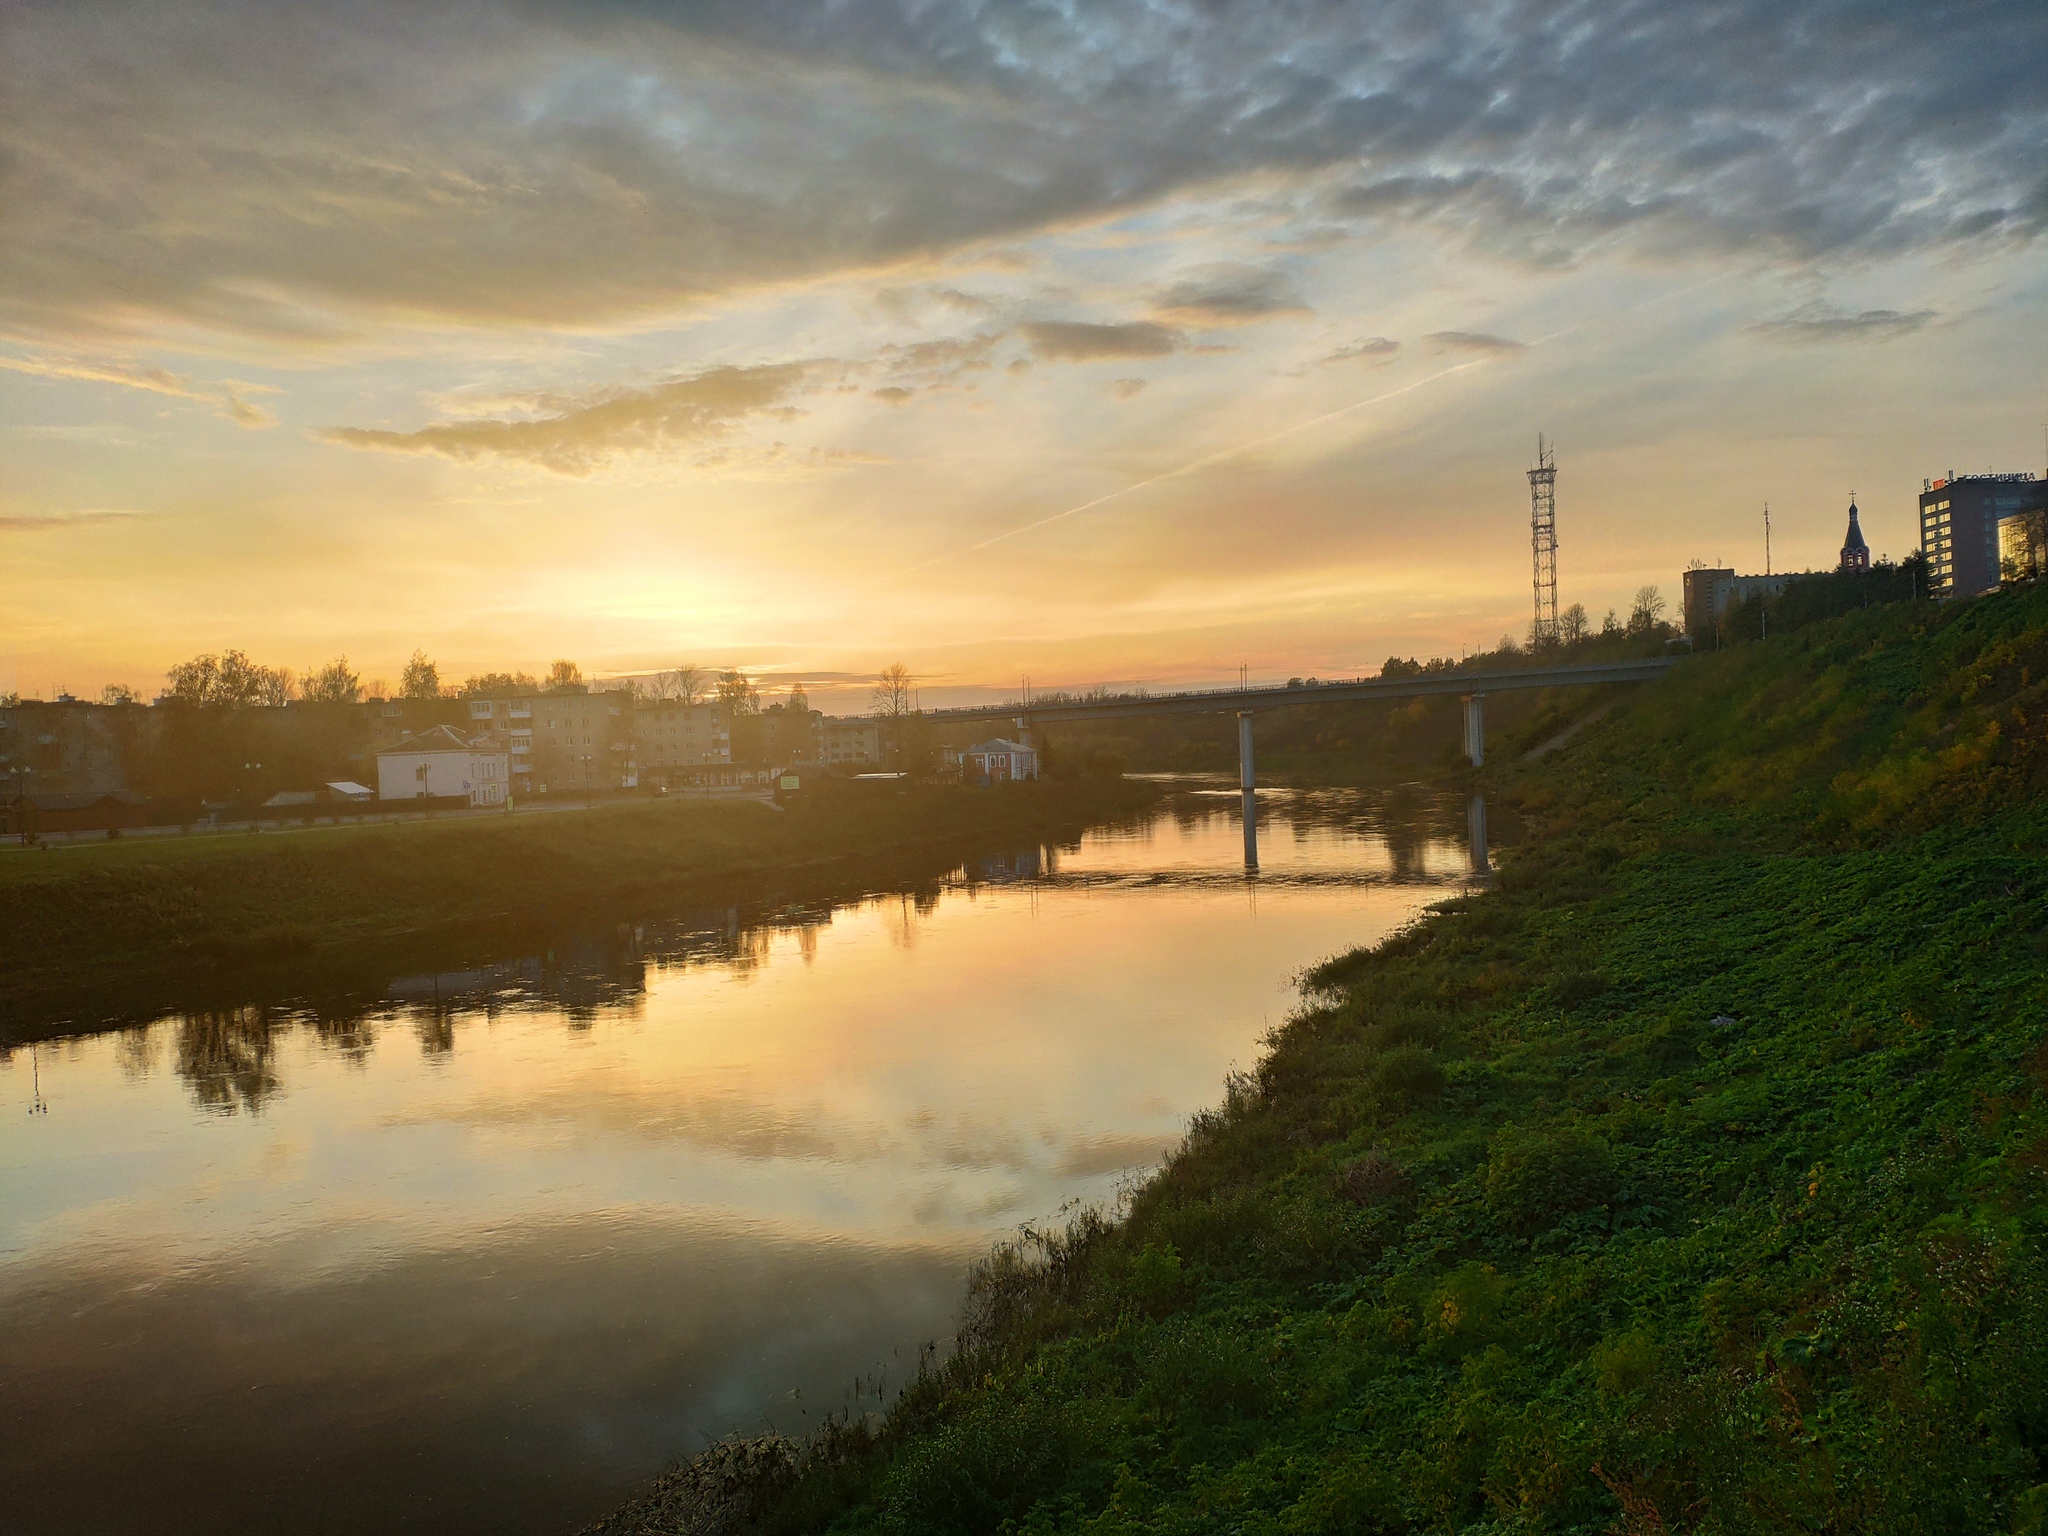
(488, 1255)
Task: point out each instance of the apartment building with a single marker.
(852, 742)
(674, 740)
(69, 747)
(1959, 518)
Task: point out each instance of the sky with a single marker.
(1080, 342)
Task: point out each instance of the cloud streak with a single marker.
(225, 398)
(581, 437)
(1821, 325)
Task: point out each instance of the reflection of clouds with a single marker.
(544, 1369)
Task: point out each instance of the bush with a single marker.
(1409, 1073)
(1534, 1179)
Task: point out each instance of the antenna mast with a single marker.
(1543, 543)
(1767, 536)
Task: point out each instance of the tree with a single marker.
(686, 685)
(1610, 625)
(891, 693)
(480, 685)
(117, 693)
(1646, 618)
(737, 693)
(799, 701)
(332, 684)
(1572, 627)
(564, 676)
(421, 680)
(227, 681)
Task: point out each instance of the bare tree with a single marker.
(564, 675)
(117, 693)
(892, 691)
(686, 685)
(421, 680)
(1647, 616)
(1572, 624)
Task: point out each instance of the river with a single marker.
(487, 1255)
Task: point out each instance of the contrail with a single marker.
(1184, 469)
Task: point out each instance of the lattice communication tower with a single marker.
(1543, 543)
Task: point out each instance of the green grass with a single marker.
(149, 922)
(1693, 1179)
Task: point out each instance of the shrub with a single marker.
(1534, 1179)
(1409, 1073)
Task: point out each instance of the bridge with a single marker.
(1472, 687)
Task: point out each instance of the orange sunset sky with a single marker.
(1093, 343)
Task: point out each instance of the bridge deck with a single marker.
(1212, 701)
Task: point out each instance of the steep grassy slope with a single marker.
(1694, 1179)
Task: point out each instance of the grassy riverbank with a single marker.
(81, 927)
(1694, 1178)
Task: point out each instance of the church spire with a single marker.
(1855, 551)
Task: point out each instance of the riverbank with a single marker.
(1691, 1178)
(90, 931)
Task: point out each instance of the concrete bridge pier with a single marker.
(1475, 729)
(1245, 786)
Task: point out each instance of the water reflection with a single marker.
(513, 1234)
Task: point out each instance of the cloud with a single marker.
(1080, 341)
(40, 522)
(1229, 294)
(1819, 323)
(582, 436)
(894, 394)
(158, 381)
(1126, 389)
(1375, 349)
(1475, 341)
(940, 360)
(252, 168)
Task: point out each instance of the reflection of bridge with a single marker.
(1472, 687)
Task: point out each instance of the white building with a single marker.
(998, 760)
(443, 762)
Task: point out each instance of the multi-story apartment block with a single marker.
(852, 742)
(674, 740)
(1959, 517)
(561, 741)
(69, 747)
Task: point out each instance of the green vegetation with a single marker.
(1694, 1178)
(90, 930)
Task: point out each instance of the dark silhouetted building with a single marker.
(1855, 550)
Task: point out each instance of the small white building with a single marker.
(443, 762)
(998, 760)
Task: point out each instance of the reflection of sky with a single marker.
(855, 1111)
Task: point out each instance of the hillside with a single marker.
(1693, 1179)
